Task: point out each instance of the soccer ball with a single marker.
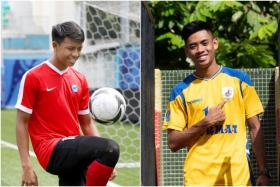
(107, 105)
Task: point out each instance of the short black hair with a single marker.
(193, 27)
(67, 29)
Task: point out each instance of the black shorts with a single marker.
(72, 155)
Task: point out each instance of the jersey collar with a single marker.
(55, 68)
(213, 76)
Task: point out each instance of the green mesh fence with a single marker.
(263, 80)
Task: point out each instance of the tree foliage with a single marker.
(247, 31)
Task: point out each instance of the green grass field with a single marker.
(121, 133)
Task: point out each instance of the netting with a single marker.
(263, 80)
(111, 58)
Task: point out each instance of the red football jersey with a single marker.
(54, 99)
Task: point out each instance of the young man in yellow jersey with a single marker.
(208, 112)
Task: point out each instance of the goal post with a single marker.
(158, 114)
(148, 169)
(277, 110)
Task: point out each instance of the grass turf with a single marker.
(125, 134)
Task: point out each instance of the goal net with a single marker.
(111, 58)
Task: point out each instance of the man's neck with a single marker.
(208, 72)
(58, 65)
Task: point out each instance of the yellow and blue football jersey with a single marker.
(218, 157)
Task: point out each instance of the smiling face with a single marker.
(66, 53)
(201, 47)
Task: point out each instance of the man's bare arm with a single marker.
(29, 177)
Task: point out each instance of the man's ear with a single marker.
(215, 43)
(54, 44)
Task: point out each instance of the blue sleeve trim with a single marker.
(242, 76)
(178, 89)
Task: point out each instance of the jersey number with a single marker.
(205, 110)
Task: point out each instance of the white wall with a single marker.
(20, 19)
(39, 16)
(48, 13)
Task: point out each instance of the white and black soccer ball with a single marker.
(107, 105)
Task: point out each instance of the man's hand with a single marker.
(216, 115)
(262, 180)
(29, 178)
(113, 175)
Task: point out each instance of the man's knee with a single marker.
(105, 151)
(113, 151)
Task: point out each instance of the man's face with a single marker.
(67, 52)
(200, 47)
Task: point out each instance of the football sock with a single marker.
(98, 174)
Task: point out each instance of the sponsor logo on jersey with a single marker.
(74, 88)
(50, 89)
(194, 101)
(220, 129)
(227, 93)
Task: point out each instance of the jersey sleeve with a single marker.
(27, 93)
(84, 101)
(176, 115)
(252, 103)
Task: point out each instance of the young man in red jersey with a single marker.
(52, 108)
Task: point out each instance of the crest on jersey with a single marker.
(227, 93)
(74, 88)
